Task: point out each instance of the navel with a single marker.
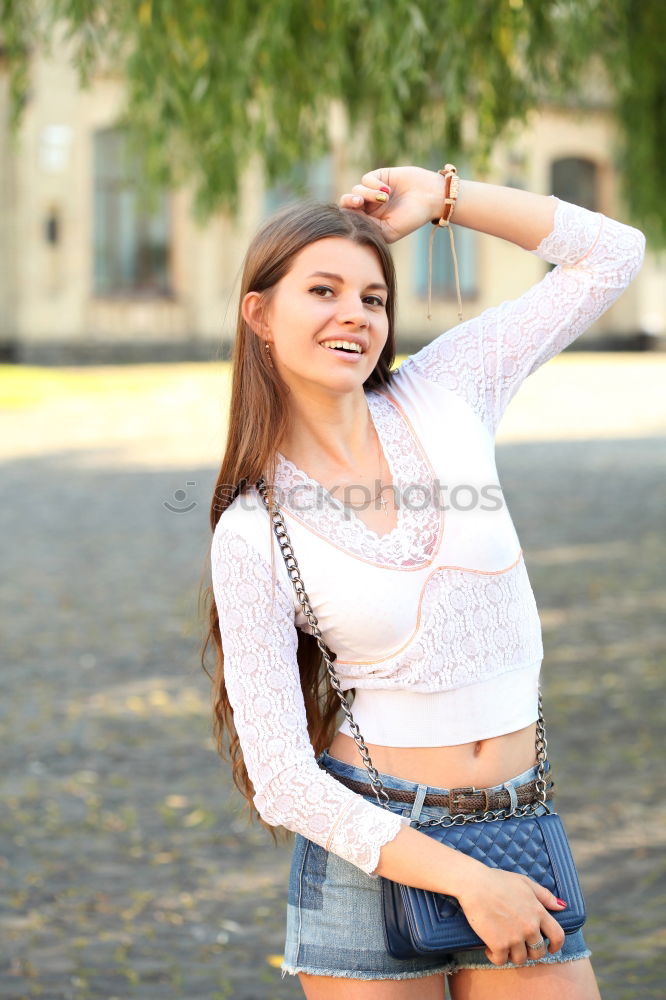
(478, 747)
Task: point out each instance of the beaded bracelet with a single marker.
(451, 189)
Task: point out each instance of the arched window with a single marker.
(131, 246)
(574, 179)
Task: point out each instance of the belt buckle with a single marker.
(456, 793)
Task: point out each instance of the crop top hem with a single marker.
(492, 707)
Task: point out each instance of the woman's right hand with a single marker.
(507, 911)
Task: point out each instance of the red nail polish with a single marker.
(385, 190)
(562, 903)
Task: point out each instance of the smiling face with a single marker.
(334, 292)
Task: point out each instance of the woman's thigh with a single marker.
(334, 987)
(554, 981)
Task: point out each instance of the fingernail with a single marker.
(357, 199)
(385, 190)
(380, 196)
(561, 902)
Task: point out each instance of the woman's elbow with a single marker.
(635, 252)
(267, 809)
(279, 800)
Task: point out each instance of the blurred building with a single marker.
(87, 276)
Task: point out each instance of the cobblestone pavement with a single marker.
(127, 865)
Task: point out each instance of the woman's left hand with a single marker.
(415, 196)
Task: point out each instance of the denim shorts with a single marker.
(334, 910)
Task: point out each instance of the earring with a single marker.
(268, 353)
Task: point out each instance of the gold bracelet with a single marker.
(451, 189)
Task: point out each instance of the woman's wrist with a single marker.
(436, 194)
(463, 874)
(415, 859)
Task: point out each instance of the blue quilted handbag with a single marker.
(420, 922)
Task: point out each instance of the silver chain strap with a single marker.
(458, 819)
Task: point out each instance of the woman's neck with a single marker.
(333, 431)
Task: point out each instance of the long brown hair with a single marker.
(258, 419)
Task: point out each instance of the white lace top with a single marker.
(434, 624)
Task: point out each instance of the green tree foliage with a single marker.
(638, 63)
(212, 82)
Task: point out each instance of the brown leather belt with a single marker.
(458, 800)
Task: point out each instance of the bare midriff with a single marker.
(481, 764)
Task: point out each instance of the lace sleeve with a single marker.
(486, 359)
(259, 640)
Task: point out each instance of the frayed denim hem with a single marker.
(356, 974)
(447, 970)
(549, 959)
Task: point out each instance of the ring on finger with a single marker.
(537, 944)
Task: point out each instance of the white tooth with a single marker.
(343, 343)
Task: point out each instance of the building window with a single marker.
(574, 179)
(311, 180)
(131, 246)
(443, 274)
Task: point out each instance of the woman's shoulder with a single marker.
(412, 387)
(244, 527)
(241, 557)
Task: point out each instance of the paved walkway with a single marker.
(127, 867)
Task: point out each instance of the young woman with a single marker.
(389, 490)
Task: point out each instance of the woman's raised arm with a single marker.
(416, 196)
(485, 359)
